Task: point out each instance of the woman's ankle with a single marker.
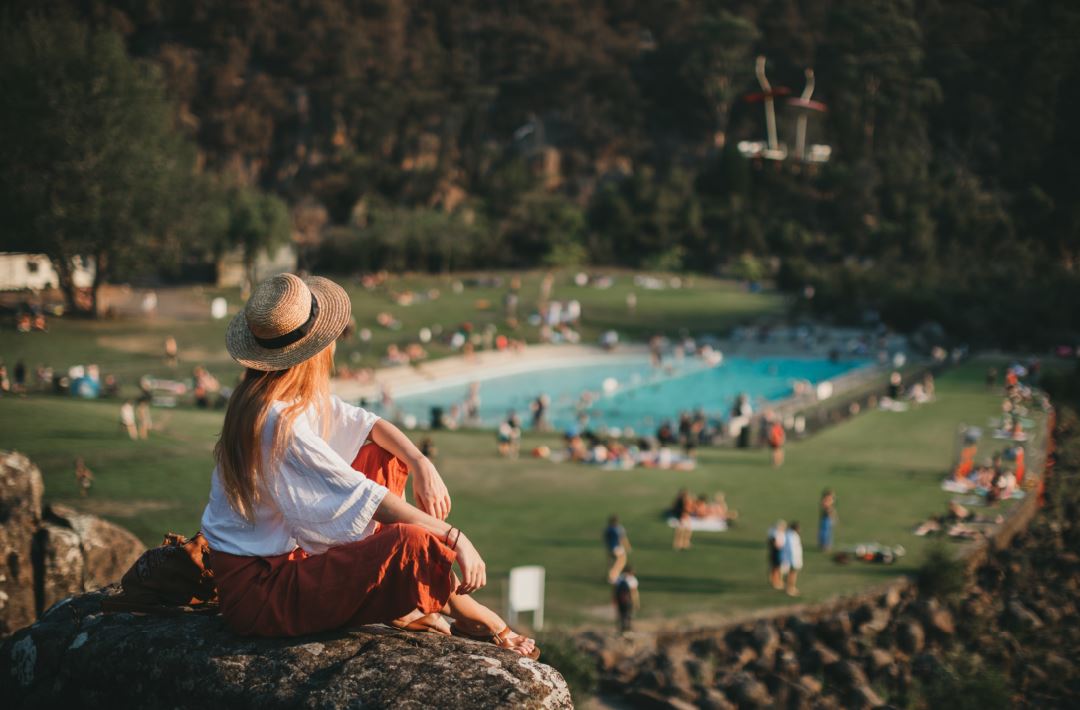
(474, 616)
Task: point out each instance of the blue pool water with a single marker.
(644, 396)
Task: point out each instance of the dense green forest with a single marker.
(445, 135)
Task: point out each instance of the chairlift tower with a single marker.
(804, 105)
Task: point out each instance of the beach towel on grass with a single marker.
(701, 524)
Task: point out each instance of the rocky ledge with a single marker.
(76, 656)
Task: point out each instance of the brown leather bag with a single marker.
(167, 577)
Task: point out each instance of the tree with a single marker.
(258, 223)
(720, 60)
(90, 164)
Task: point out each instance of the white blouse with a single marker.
(312, 499)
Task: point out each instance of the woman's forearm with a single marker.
(394, 440)
(395, 509)
(429, 491)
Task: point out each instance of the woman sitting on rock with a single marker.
(303, 541)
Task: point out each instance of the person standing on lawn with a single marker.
(791, 559)
(776, 437)
(627, 600)
(618, 547)
(826, 520)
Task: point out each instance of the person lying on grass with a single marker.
(300, 540)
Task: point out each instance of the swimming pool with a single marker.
(626, 391)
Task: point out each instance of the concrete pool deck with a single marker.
(404, 380)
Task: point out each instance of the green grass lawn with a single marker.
(133, 347)
(885, 468)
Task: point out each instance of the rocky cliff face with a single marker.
(75, 656)
(53, 553)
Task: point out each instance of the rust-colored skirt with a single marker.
(378, 579)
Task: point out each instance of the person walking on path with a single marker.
(302, 541)
(791, 559)
(618, 547)
(627, 599)
(827, 520)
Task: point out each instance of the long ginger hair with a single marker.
(239, 449)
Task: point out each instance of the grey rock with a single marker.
(864, 696)
(749, 692)
(714, 699)
(926, 665)
(818, 657)
(845, 674)
(787, 665)
(744, 658)
(1060, 666)
(655, 700)
(74, 656)
(765, 639)
(21, 488)
(941, 622)
(812, 684)
(875, 622)
(835, 629)
(1019, 617)
(107, 550)
(879, 660)
(910, 636)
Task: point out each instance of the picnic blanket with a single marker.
(701, 524)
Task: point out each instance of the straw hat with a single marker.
(286, 321)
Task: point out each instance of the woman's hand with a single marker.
(430, 492)
(473, 569)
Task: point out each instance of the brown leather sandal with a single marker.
(429, 623)
(501, 639)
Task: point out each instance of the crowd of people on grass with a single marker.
(605, 450)
(1001, 475)
(689, 513)
(899, 397)
(89, 381)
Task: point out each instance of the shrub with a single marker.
(942, 574)
(577, 667)
(966, 683)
